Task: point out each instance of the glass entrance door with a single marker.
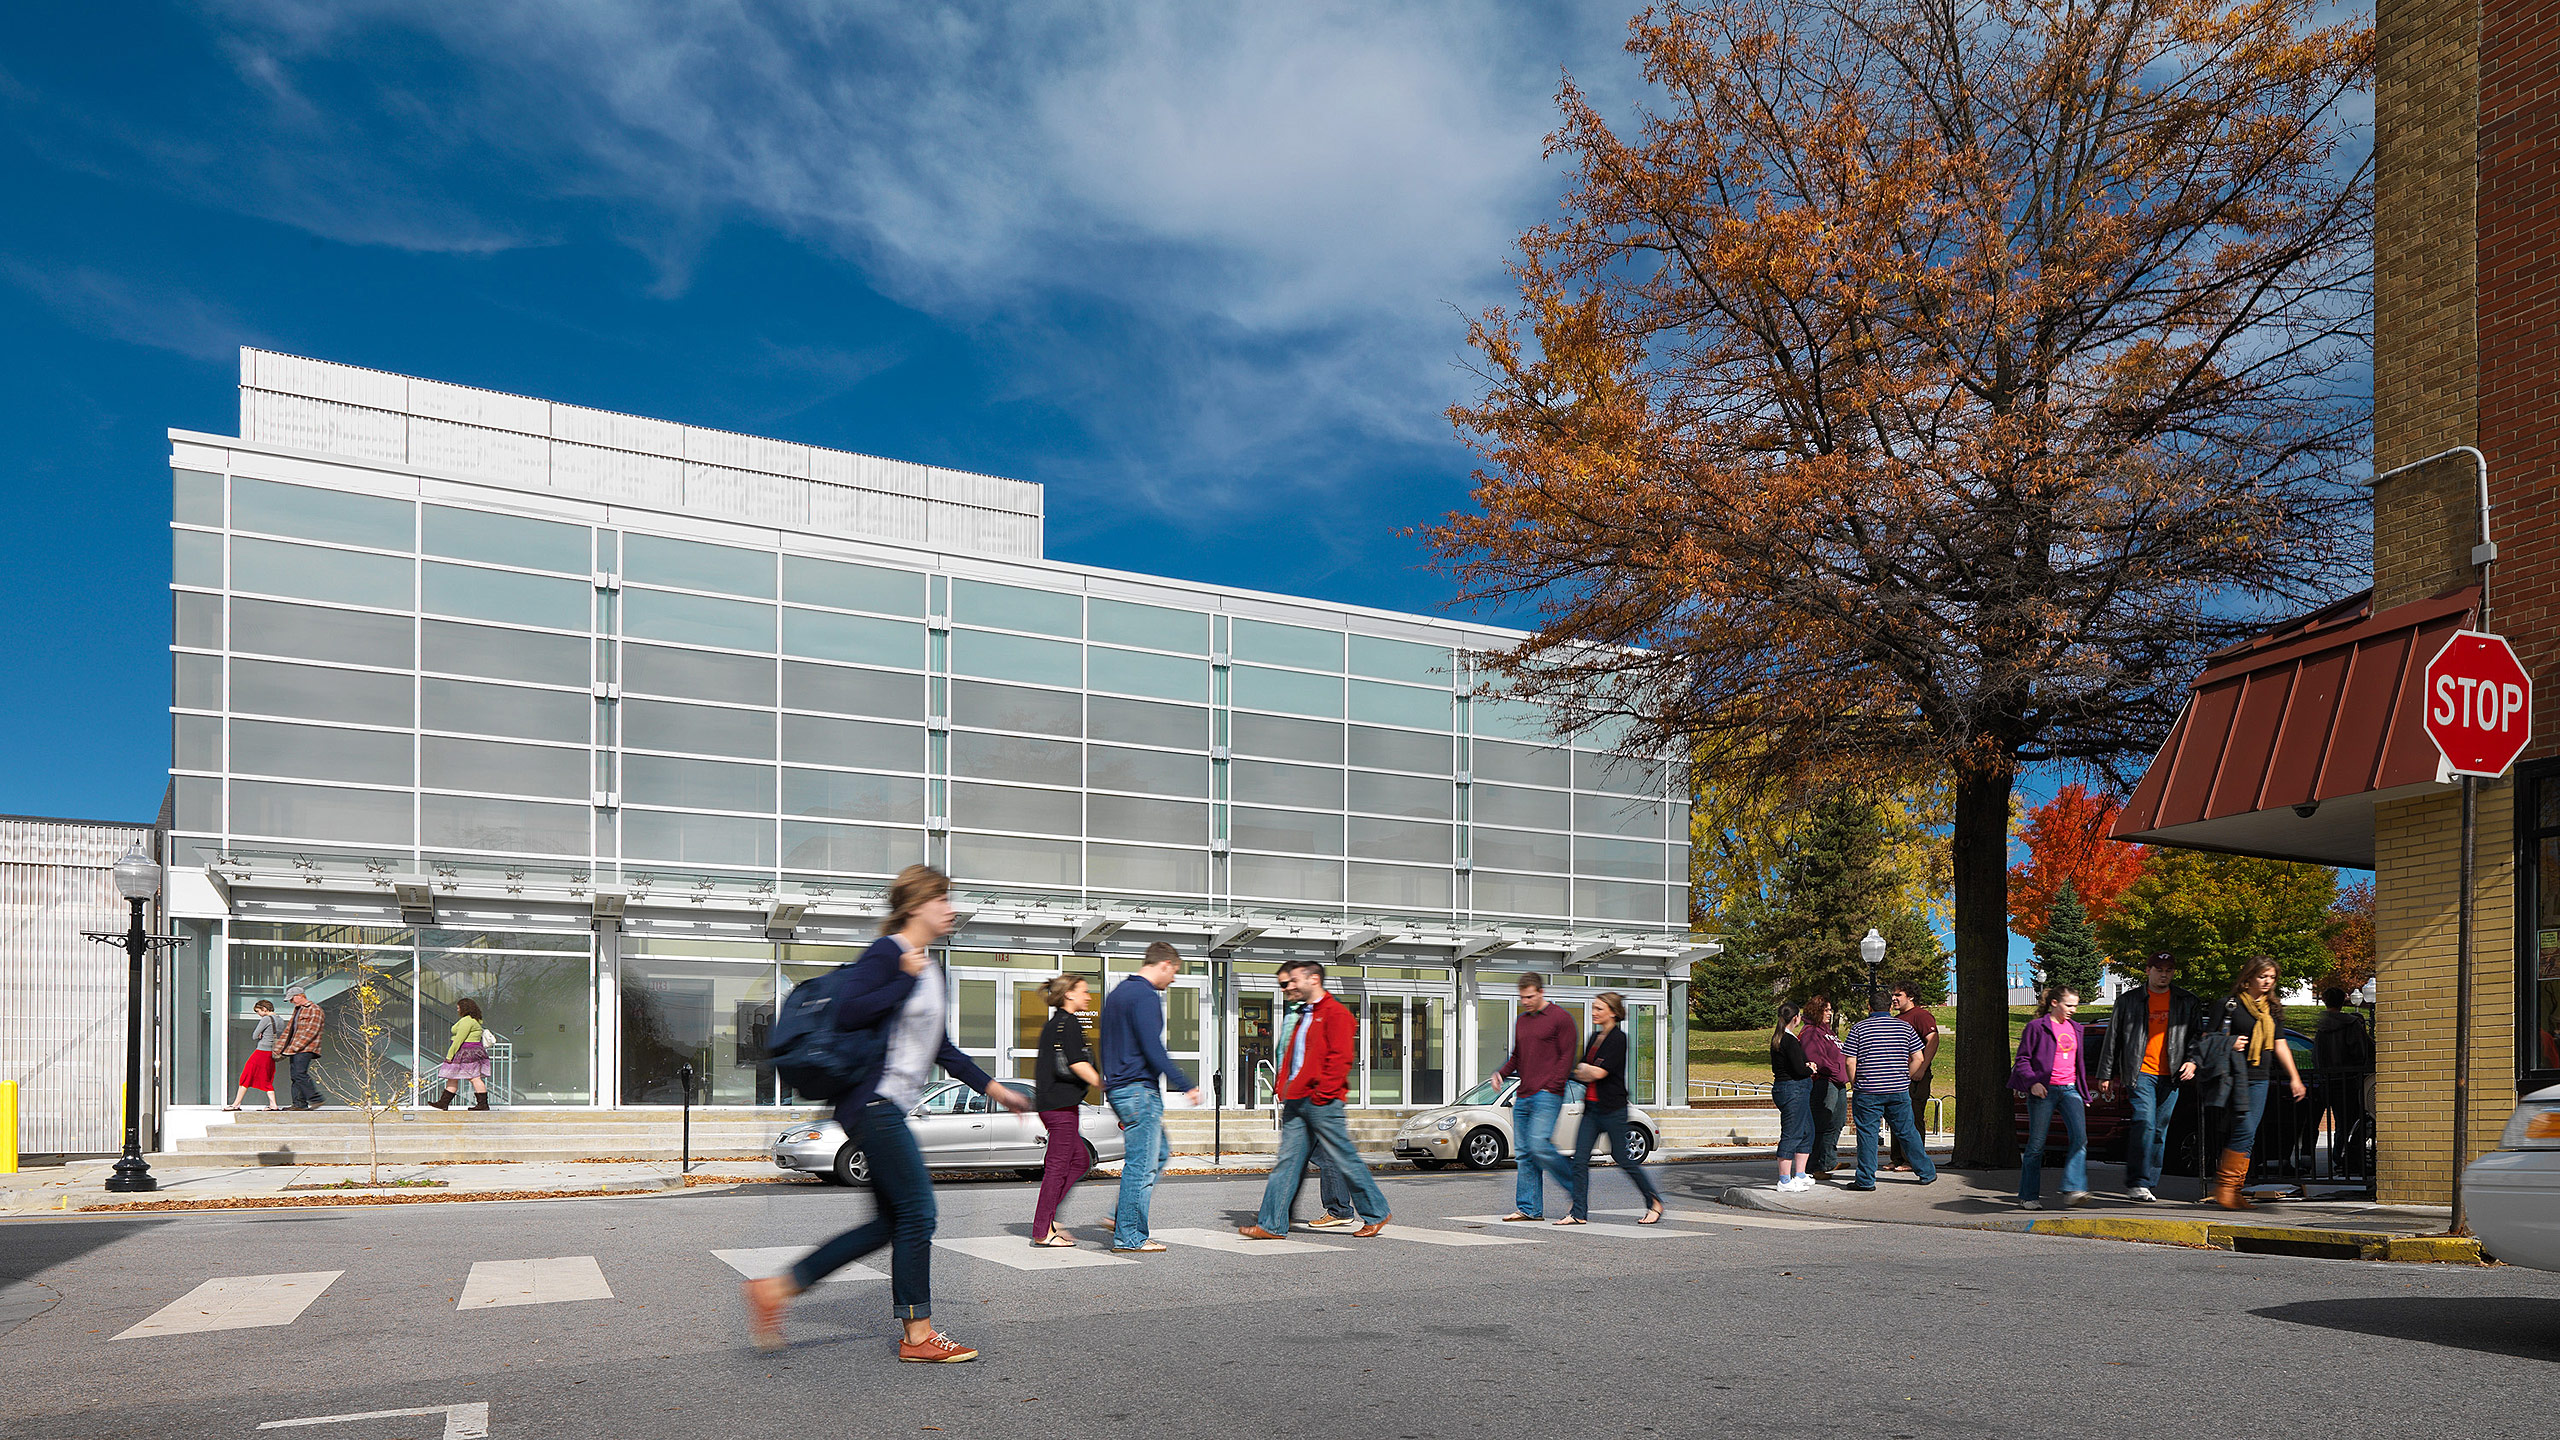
(1404, 1046)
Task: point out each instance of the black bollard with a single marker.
(684, 1076)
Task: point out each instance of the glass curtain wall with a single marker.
(708, 1004)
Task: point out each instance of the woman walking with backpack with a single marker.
(1065, 1073)
(895, 1001)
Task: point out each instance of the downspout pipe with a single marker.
(2486, 551)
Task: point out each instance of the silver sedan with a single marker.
(1476, 1132)
(957, 1129)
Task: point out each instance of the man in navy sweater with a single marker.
(1133, 1059)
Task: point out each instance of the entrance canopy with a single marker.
(2293, 736)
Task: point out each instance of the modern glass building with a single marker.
(619, 726)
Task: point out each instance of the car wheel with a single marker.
(1428, 1162)
(852, 1167)
(1639, 1144)
(1482, 1149)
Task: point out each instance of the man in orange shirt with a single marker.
(2147, 1041)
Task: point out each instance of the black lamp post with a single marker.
(1871, 950)
(137, 880)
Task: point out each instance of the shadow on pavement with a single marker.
(2527, 1327)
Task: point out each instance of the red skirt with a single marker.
(260, 1072)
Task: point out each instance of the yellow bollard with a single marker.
(8, 1127)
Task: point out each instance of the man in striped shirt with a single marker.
(1885, 1053)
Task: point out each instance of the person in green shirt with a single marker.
(466, 1058)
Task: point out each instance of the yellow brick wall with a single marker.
(2417, 864)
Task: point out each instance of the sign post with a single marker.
(2479, 713)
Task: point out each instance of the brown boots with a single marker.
(481, 1102)
(2228, 1175)
(443, 1101)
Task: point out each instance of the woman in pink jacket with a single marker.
(2052, 1071)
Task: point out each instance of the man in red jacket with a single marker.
(1313, 1051)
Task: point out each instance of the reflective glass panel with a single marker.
(1017, 657)
(1165, 677)
(852, 692)
(1408, 795)
(688, 839)
(849, 849)
(820, 740)
(196, 742)
(1011, 860)
(1618, 774)
(698, 674)
(989, 706)
(1119, 622)
(195, 558)
(307, 632)
(1620, 859)
(1398, 840)
(1011, 807)
(1512, 719)
(270, 687)
(1169, 822)
(1399, 887)
(698, 1013)
(1519, 894)
(299, 510)
(1400, 750)
(195, 497)
(1272, 878)
(197, 803)
(537, 1010)
(462, 649)
(1287, 691)
(1617, 815)
(1521, 849)
(507, 540)
(693, 565)
(699, 784)
(507, 595)
(1617, 900)
(1503, 805)
(316, 812)
(195, 681)
(697, 620)
(474, 708)
(1296, 645)
(518, 827)
(1307, 832)
(697, 729)
(1011, 607)
(1004, 757)
(311, 572)
(843, 795)
(1137, 867)
(318, 752)
(852, 587)
(1385, 704)
(1405, 660)
(1154, 772)
(1141, 722)
(1267, 783)
(1521, 764)
(854, 639)
(197, 620)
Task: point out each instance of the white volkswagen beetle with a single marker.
(2512, 1193)
(1476, 1132)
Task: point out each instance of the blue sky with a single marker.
(1203, 276)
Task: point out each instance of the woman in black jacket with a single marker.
(1603, 1073)
(1064, 1073)
(2251, 1021)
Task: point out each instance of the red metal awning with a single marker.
(2294, 735)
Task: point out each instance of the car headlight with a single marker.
(795, 1136)
(1447, 1122)
(2534, 1126)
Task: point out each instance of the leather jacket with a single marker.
(2129, 1031)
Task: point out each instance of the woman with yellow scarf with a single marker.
(2255, 1023)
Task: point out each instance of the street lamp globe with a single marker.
(137, 878)
(1871, 948)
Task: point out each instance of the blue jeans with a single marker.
(2075, 1129)
(1332, 1189)
(1830, 1109)
(1795, 1118)
(2244, 1120)
(903, 1189)
(2153, 1098)
(1877, 1109)
(1306, 1126)
(1533, 1133)
(1620, 1130)
(1140, 1106)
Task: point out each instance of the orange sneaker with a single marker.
(765, 1301)
(935, 1349)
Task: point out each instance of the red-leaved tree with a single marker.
(2066, 840)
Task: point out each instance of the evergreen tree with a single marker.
(2068, 952)
(1731, 992)
(1837, 879)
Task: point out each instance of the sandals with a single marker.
(1515, 1217)
(231, 1109)
(1569, 1220)
(1058, 1240)
(1652, 1216)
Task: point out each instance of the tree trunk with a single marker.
(1986, 1133)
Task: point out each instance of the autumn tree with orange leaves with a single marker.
(2067, 844)
(1921, 388)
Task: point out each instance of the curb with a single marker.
(277, 1200)
(2240, 1237)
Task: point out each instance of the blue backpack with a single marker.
(817, 1058)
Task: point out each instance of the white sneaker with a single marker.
(2141, 1195)
(2075, 1199)
(2030, 1204)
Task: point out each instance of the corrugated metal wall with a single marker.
(62, 997)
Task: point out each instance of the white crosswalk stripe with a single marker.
(773, 1260)
(1021, 1254)
(237, 1302)
(1235, 1244)
(1747, 1219)
(1455, 1237)
(558, 1280)
(1596, 1228)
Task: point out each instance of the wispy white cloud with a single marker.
(162, 317)
(1240, 240)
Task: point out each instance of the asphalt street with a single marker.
(1719, 1323)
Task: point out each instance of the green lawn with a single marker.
(1743, 1055)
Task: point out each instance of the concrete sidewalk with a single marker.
(81, 1186)
(2341, 1227)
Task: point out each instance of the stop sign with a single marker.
(2479, 704)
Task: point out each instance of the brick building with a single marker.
(2306, 743)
